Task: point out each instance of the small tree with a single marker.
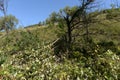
(53, 18)
(3, 9)
(10, 20)
(72, 18)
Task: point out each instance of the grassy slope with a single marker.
(106, 29)
(108, 32)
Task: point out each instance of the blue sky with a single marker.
(33, 11)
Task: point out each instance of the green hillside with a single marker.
(27, 54)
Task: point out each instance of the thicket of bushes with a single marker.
(29, 61)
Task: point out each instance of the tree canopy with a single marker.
(10, 22)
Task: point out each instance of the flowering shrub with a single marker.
(40, 65)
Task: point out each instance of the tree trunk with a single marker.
(86, 26)
(69, 36)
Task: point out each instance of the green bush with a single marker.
(112, 15)
(106, 45)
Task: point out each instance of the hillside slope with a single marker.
(23, 55)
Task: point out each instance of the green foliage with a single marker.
(34, 64)
(9, 21)
(104, 46)
(69, 10)
(112, 13)
(2, 58)
(27, 40)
